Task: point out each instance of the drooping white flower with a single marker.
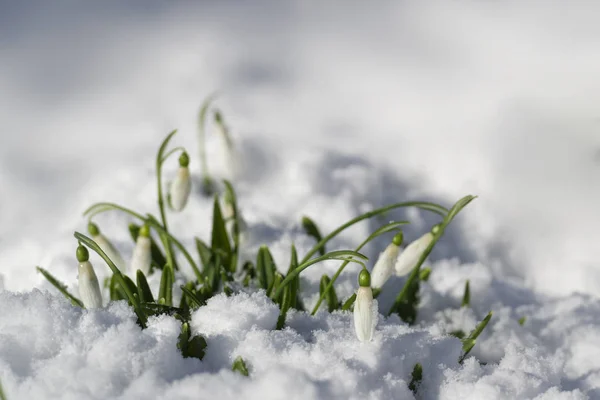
(182, 185)
(106, 246)
(89, 288)
(365, 308)
(409, 257)
(384, 267)
(142, 254)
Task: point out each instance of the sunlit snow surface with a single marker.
(336, 109)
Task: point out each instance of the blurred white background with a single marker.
(497, 99)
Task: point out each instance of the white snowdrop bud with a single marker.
(182, 185)
(365, 308)
(408, 258)
(384, 267)
(106, 246)
(142, 254)
(89, 288)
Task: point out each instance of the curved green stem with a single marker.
(344, 255)
(99, 208)
(171, 152)
(159, 162)
(384, 229)
(420, 204)
(202, 135)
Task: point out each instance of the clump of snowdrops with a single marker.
(217, 266)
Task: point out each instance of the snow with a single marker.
(336, 109)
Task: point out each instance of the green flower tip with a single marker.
(398, 238)
(82, 254)
(93, 229)
(145, 231)
(364, 278)
(184, 159)
(436, 229)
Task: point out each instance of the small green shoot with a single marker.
(60, 286)
(239, 365)
(191, 346)
(522, 320)
(416, 378)
(466, 300)
(469, 342)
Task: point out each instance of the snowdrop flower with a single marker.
(89, 288)
(106, 246)
(365, 308)
(410, 256)
(142, 255)
(182, 185)
(384, 267)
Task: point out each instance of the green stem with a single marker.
(99, 208)
(386, 228)
(159, 163)
(420, 204)
(344, 255)
(202, 135)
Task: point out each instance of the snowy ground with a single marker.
(337, 109)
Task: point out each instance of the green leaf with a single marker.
(277, 279)
(191, 346)
(143, 289)
(295, 301)
(416, 378)
(220, 240)
(231, 198)
(466, 300)
(286, 302)
(522, 320)
(166, 285)
(240, 366)
(193, 300)
(204, 252)
(458, 334)
(265, 267)
(311, 229)
(469, 342)
(115, 290)
(60, 286)
(158, 259)
(2, 395)
(349, 302)
(332, 300)
(131, 295)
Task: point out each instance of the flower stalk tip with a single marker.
(89, 287)
(365, 308)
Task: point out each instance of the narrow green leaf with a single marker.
(142, 319)
(60, 286)
(466, 300)
(204, 252)
(190, 346)
(166, 285)
(240, 366)
(469, 342)
(407, 307)
(102, 207)
(458, 334)
(144, 292)
(416, 378)
(231, 198)
(158, 259)
(331, 296)
(522, 320)
(311, 229)
(349, 302)
(194, 301)
(220, 240)
(263, 268)
(115, 290)
(295, 301)
(285, 306)
(3, 396)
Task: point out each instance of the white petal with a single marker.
(365, 314)
(384, 267)
(89, 288)
(180, 189)
(110, 251)
(142, 256)
(410, 256)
